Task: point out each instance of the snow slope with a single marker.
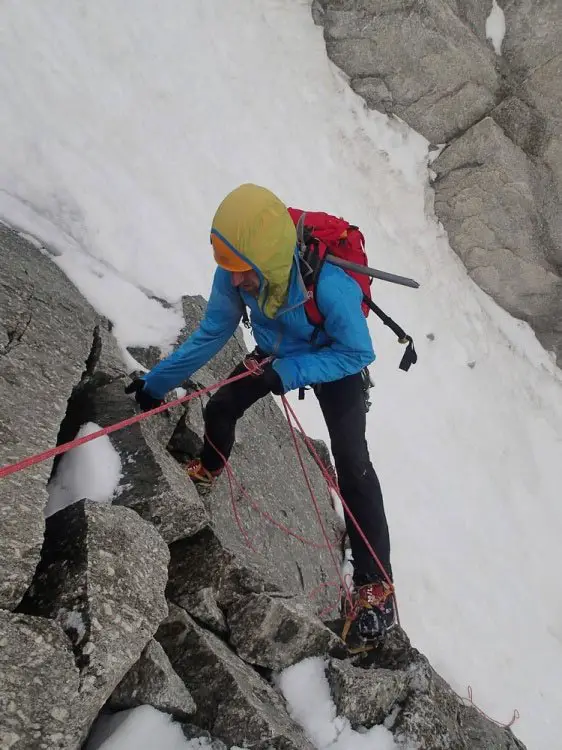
(124, 124)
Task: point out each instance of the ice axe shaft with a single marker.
(383, 275)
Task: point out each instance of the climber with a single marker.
(254, 242)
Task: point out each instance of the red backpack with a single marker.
(319, 234)
(323, 233)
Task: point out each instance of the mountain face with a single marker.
(158, 598)
(498, 118)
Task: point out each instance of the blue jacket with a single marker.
(342, 348)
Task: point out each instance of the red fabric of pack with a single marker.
(340, 238)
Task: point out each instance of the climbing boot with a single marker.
(202, 478)
(370, 615)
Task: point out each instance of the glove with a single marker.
(253, 363)
(273, 380)
(142, 396)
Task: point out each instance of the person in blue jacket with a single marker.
(255, 246)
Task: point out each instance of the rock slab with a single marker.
(46, 335)
(101, 577)
(277, 632)
(233, 702)
(39, 682)
(153, 682)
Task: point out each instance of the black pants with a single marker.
(343, 406)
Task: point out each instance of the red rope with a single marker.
(334, 486)
(268, 517)
(470, 702)
(314, 500)
(289, 412)
(64, 447)
(237, 518)
(331, 483)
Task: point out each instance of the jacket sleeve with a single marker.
(351, 348)
(222, 316)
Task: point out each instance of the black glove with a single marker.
(142, 396)
(272, 380)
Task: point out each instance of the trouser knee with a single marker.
(350, 462)
(221, 408)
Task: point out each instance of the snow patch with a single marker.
(142, 728)
(73, 620)
(92, 471)
(310, 704)
(495, 27)
(336, 503)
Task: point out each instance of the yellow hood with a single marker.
(256, 226)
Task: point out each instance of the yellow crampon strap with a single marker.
(359, 649)
(346, 628)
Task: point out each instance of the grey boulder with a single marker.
(276, 632)
(206, 578)
(47, 333)
(101, 577)
(39, 683)
(152, 681)
(365, 696)
(233, 702)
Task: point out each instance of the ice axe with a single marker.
(373, 272)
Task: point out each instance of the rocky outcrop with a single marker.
(47, 333)
(153, 682)
(101, 578)
(396, 685)
(39, 682)
(415, 59)
(430, 63)
(233, 702)
(245, 571)
(276, 632)
(486, 193)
